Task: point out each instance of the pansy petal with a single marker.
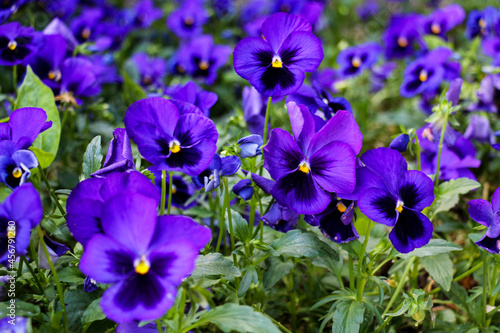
(27, 122)
(192, 161)
(133, 181)
(249, 56)
(265, 184)
(412, 230)
(283, 155)
(299, 192)
(141, 297)
(302, 124)
(173, 228)
(334, 167)
(84, 219)
(106, 260)
(480, 211)
(491, 245)
(230, 165)
(416, 190)
(305, 51)
(333, 228)
(280, 25)
(495, 200)
(121, 217)
(341, 127)
(379, 205)
(174, 261)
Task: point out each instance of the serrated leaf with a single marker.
(93, 313)
(240, 226)
(240, 318)
(435, 246)
(71, 275)
(440, 268)
(276, 271)
(33, 93)
(249, 277)
(297, 244)
(92, 157)
(348, 317)
(457, 186)
(402, 309)
(215, 264)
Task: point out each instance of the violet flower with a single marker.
(393, 196)
(254, 110)
(400, 36)
(24, 208)
(276, 65)
(313, 163)
(244, 189)
(400, 143)
(85, 203)
(354, 60)
(55, 250)
(78, 80)
(119, 157)
(144, 257)
(218, 167)
(192, 94)
(17, 43)
(488, 214)
(48, 61)
(146, 13)
(187, 21)
(151, 70)
(250, 146)
(488, 94)
(479, 129)
(481, 23)
(171, 137)
(441, 21)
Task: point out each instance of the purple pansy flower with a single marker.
(488, 214)
(488, 94)
(182, 191)
(57, 27)
(24, 207)
(192, 94)
(21, 325)
(336, 221)
(481, 23)
(87, 201)
(254, 110)
(400, 36)
(151, 70)
(250, 146)
(17, 43)
(55, 250)
(201, 58)
(425, 74)
(119, 157)
(15, 164)
(354, 60)
(400, 143)
(326, 79)
(146, 13)
(173, 137)
(78, 80)
(188, 20)
(218, 167)
(453, 93)
(244, 189)
(393, 196)
(276, 65)
(380, 75)
(443, 20)
(48, 61)
(313, 163)
(144, 257)
(367, 9)
(491, 47)
(479, 129)
(85, 26)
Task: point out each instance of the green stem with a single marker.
(158, 326)
(56, 277)
(400, 286)
(419, 163)
(51, 191)
(493, 298)
(360, 284)
(266, 125)
(163, 191)
(222, 227)
(170, 184)
(253, 208)
(14, 78)
(384, 324)
(351, 273)
(20, 269)
(182, 306)
(65, 116)
(212, 209)
(39, 286)
(485, 285)
(441, 139)
(460, 277)
(227, 206)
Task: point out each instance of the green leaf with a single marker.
(297, 244)
(23, 309)
(276, 271)
(33, 93)
(71, 275)
(214, 266)
(434, 41)
(435, 246)
(240, 318)
(348, 317)
(402, 309)
(132, 92)
(93, 313)
(457, 186)
(440, 268)
(249, 277)
(240, 226)
(92, 158)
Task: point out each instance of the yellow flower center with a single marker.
(304, 167)
(17, 172)
(86, 33)
(356, 62)
(399, 207)
(482, 23)
(142, 266)
(423, 75)
(402, 42)
(174, 146)
(341, 207)
(277, 63)
(204, 65)
(12, 45)
(436, 28)
(189, 20)
(51, 75)
(174, 189)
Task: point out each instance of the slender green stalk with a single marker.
(253, 208)
(384, 324)
(20, 269)
(460, 277)
(419, 159)
(14, 78)
(351, 273)
(227, 206)
(56, 277)
(51, 191)
(493, 298)
(163, 191)
(222, 228)
(39, 286)
(65, 116)
(212, 209)
(400, 286)
(485, 286)
(266, 125)
(182, 306)
(441, 139)
(360, 284)
(158, 326)
(170, 184)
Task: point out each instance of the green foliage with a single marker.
(92, 158)
(348, 317)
